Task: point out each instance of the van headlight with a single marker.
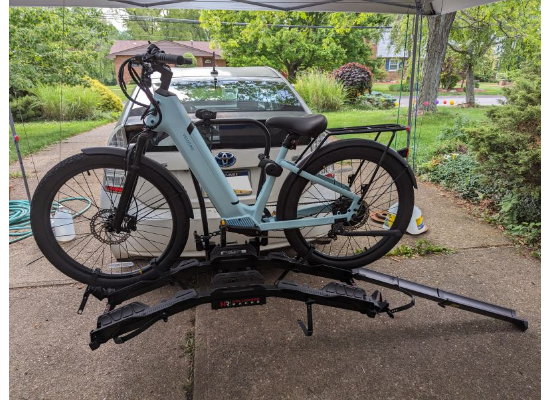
(118, 138)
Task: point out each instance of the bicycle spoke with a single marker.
(381, 194)
(94, 243)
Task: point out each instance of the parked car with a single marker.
(235, 92)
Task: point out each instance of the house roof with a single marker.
(429, 7)
(133, 47)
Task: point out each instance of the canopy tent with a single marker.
(427, 7)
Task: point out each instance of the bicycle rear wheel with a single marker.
(71, 212)
(351, 163)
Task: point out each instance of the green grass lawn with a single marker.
(484, 89)
(116, 90)
(34, 136)
(428, 127)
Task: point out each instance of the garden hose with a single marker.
(20, 216)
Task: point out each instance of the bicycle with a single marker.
(138, 222)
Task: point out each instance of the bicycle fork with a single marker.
(130, 182)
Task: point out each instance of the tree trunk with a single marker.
(470, 86)
(292, 71)
(439, 27)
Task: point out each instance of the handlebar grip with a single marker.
(172, 59)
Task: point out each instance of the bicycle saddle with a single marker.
(310, 125)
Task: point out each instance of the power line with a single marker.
(138, 18)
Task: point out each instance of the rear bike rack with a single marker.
(236, 282)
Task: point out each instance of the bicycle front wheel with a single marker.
(71, 213)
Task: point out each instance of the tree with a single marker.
(478, 30)
(56, 45)
(293, 49)
(521, 45)
(432, 52)
(473, 35)
(438, 31)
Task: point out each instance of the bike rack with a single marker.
(237, 283)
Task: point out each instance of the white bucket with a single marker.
(416, 225)
(63, 225)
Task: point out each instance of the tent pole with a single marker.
(16, 143)
(413, 65)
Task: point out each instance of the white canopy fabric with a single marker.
(429, 7)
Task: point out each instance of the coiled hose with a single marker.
(20, 216)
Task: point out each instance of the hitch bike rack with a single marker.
(236, 282)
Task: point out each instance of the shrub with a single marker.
(109, 101)
(25, 109)
(451, 70)
(193, 59)
(320, 91)
(459, 173)
(356, 78)
(68, 102)
(449, 80)
(455, 131)
(509, 147)
(377, 101)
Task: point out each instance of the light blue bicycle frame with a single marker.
(190, 143)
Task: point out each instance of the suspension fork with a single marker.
(132, 175)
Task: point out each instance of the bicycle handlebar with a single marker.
(172, 59)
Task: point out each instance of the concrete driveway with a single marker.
(49, 354)
(261, 353)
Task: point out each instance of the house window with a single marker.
(392, 64)
(208, 61)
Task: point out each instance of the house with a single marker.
(121, 50)
(393, 59)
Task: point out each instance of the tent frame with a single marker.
(270, 6)
(417, 17)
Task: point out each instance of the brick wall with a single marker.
(118, 62)
(120, 59)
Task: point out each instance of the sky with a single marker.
(111, 14)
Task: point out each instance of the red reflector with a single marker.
(329, 175)
(114, 189)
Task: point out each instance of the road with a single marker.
(482, 100)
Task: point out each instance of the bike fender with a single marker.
(159, 168)
(353, 143)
